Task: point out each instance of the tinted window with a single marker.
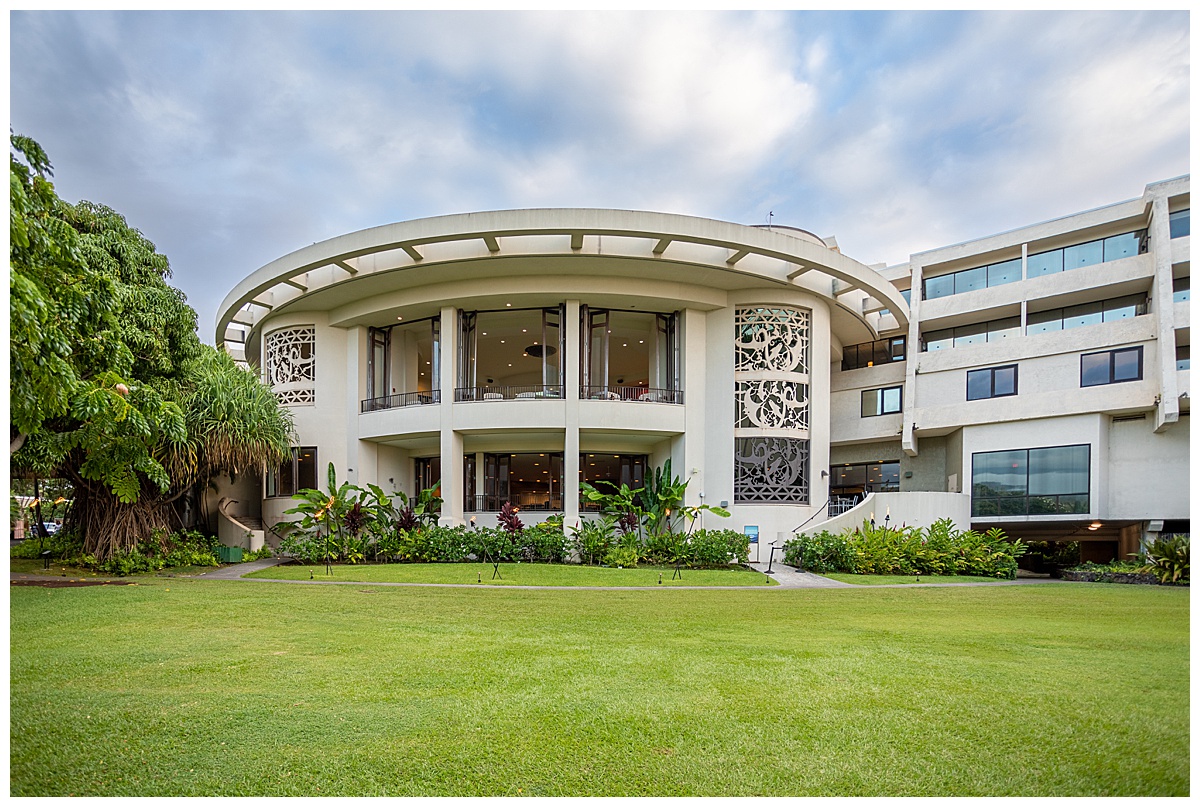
(979, 385)
(1003, 328)
(1044, 321)
(1058, 470)
(1127, 365)
(1046, 263)
(1083, 254)
(1122, 308)
(970, 335)
(1001, 273)
(999, 473)
(936, 287)
(939, 340)
(1093, 369)
(970, 280)
(1120, 246)
(1005, 380)
(1181, 223)
(1079, 315)
(1182, 289)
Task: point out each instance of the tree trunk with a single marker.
(109, 526)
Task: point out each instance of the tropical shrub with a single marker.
(623, 556)
(547, 542)
(877, 549)
(593, 538)
(718, 548)
(1167, 559)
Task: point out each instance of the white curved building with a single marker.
(512, 353)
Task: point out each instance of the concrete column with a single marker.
(570, 374)
(451, 441)
(356, 391)
(908, 439)
(1162, 293)
(695, 359)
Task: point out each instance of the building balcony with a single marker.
(638, 393)
(520, 392)
(402, 399)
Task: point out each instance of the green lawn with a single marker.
(32, 566)
(520, 574)
(191, 687)
(901, 579)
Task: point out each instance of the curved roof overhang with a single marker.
(660, 242)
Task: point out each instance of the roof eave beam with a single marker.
(345, 267)
(412, 252)
(662, 245)
(295, 285)
(737, 256)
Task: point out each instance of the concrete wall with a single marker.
(1148, 473)
(905, 509)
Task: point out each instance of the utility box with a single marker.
(229, 554)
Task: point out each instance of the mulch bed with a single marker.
(46, 582)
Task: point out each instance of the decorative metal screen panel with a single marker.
(291, 364)
(771, 404)
(774, 339)
(770, 470)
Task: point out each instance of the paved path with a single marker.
(234, 571)
(789, 577)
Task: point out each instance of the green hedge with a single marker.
(941, 549)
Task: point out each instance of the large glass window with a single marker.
(1079, 255)
(403, 364)
(1110, 367)
(869, 354)
(1181, 223)
(979, 277)
(1032, 481)
(629, 355)
(885, 401)
(1077, 316)
(992, 382)
(509, 354)
(1181, 289)
(1183, 357)
(854, 480)
(977, 333)
(531, 481)
(613, 469)
(296, 473)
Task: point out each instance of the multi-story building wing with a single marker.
(1036, 380)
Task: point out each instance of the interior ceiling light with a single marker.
(1095, 525)
(399, 318)
(508, 305)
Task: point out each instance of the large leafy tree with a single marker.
(111, 386)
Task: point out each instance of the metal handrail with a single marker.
(609, 392)
(402, 399)
(508, 392)
(817, 512)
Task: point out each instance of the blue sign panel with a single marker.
(752, 533)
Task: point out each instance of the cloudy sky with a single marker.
(230, 139)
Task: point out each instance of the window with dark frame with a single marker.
(884, 401)
(871, 354)
(297, 473)
(1110, 367)
(992, 382)
(1031, 481)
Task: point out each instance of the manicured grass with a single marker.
(520, 574)
(901, 579)
(192, 687)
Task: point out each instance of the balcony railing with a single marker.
(644, 394)
(402, 399)
(508, 393)
(529, 500)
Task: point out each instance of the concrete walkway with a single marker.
(790, 577)
(234, 571)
